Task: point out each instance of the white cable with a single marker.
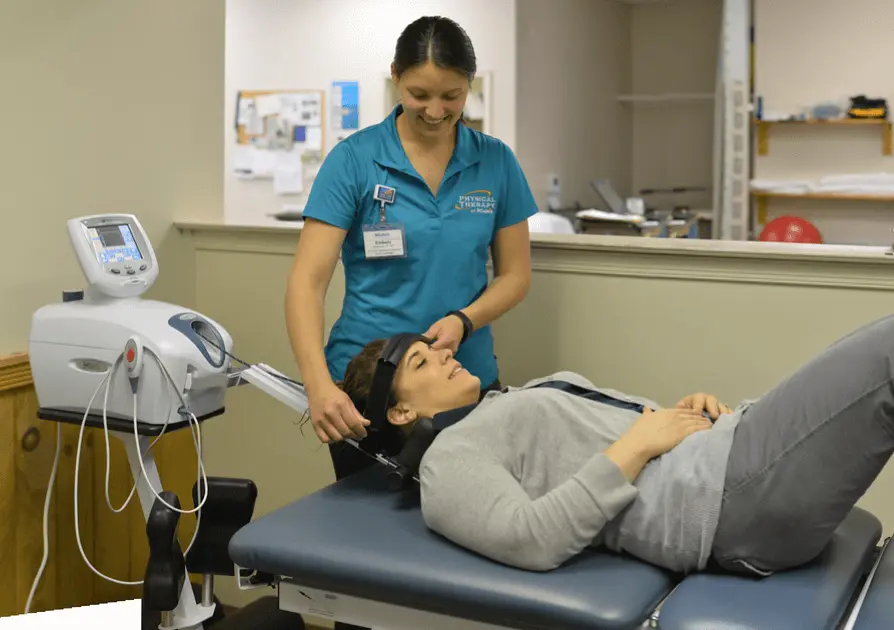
(197, 440)
(50, 491)
(108, 377)
(200, 473)
(164, 428)
(46, 517)
(105, 426)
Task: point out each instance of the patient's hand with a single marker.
(704, 402)
(654, 433)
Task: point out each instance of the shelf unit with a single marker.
(763, 129)
(763, 197)
(666, 97)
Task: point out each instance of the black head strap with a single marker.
(380, 397)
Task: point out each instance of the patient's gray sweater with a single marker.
(523, 480)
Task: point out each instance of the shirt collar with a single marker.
(392, 155)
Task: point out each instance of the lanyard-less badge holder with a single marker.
(384, 240)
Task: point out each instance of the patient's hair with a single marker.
(360, 371)
(357, 383)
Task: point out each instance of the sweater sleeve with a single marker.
(479, 505)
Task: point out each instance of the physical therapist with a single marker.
(414, 204)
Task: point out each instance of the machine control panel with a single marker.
(115, 248)
(114, 253)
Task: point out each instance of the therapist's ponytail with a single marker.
(439, 40)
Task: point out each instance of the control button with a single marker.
(116, 271)
(130, 272)
(142, 267)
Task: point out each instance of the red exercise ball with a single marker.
(790, 229)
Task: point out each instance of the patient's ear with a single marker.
(401, 415)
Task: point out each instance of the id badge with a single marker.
(384, 240)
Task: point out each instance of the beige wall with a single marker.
(628, 313)
(108, 106)
(809, 51)
(573, 61)
(674, 50)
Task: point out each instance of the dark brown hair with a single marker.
(359, 373)
(439, 40)
(357, 383)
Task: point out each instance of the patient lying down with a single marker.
(532, 476)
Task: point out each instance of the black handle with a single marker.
(228, 507)
(166, 568)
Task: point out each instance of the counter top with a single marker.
(620, 244)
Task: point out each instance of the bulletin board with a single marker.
(280, 135)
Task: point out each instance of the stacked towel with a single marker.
(860, 184)
(880, 184)
(782, 186)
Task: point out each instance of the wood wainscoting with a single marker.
(114, 543)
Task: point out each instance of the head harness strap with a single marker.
(380, 397)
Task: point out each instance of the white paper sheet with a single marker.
(288, 176)
(314, 139)
(311, 113)
(264, 163)
(246, 109)
(290, 108)
(255, 124)
(268, 105)
(243, 159)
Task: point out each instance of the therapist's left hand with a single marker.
(447, 332)
(704, 402)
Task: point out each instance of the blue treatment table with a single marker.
(877, 610)
(357, 553)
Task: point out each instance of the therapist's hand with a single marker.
(447, 332)
(704, 402)
(334, 416)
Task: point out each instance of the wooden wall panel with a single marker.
(113, 541)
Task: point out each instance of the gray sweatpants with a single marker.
(806, 452)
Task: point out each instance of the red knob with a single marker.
(130, 355)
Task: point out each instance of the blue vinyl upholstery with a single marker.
(812, 597)
(877, 612)
(357, 539)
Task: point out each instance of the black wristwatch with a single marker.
(467, 324)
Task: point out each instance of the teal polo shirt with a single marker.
(447, 236)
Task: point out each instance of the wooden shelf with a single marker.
(763, 129)
(763, 196)
(665, 97)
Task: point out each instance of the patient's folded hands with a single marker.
(704, 403)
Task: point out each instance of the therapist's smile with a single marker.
(434, 122)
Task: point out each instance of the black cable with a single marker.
(238, 360)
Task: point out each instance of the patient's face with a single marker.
(431, 381)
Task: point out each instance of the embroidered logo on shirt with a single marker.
(477, 202)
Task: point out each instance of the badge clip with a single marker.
(383, 194)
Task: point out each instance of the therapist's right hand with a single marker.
(334, 416)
